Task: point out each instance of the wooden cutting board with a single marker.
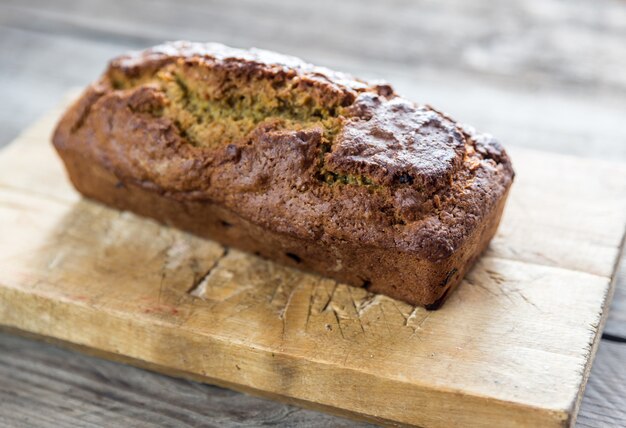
(512, 346)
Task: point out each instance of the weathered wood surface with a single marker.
(604, 398)
(538, 74)
(128, 288)
(47, 386)
(59, 387)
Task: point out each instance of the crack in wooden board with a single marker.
(513, 344)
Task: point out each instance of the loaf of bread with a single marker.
(296, 163)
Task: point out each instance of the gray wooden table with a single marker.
(543, 74)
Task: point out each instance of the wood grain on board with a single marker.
(65, 388)
(514, 344)
(60, 387)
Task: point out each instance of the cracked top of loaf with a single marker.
(295, 148)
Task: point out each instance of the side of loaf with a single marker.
(296, 163)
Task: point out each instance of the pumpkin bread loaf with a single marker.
(302, 165)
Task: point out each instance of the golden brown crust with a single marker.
(298, 163)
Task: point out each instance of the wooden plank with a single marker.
(558, 43)
(43, 385)
(530, 311)
(603, 405)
